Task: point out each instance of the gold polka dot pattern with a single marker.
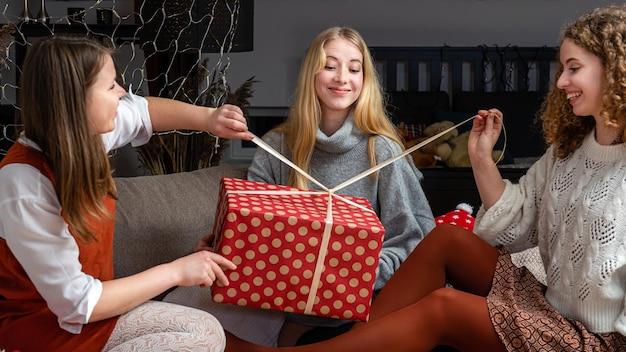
(276, 239)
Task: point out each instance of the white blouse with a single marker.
(38, 236)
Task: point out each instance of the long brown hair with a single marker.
(305, 114)
(602, 32)
(56, 75)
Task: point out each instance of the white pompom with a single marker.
(466, 207)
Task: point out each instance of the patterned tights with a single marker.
(160, 326)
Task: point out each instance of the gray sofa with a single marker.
(161, 218)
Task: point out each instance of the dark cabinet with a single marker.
(446, 187)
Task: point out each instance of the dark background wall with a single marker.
(283, 29)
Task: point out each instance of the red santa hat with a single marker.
(461, 216)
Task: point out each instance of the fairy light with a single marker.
(135, 69)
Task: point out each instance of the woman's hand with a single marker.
(484, 135)
(228, 121)
(202, 268)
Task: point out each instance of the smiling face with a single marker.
(582, 79)
(339, 84)
(103, 98)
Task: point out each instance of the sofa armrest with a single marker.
(160, 218)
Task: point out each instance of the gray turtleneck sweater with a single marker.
(396, 194)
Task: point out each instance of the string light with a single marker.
(134, 70)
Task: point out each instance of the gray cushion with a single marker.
(161, 218)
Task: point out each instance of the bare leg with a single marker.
(448, 253)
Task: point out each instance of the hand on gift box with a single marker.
(202, 268)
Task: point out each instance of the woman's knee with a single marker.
(448, 307)
(469, 260)
(441, 299)
(452, 303)
(447, 235)
(461, 319)
(438, 304)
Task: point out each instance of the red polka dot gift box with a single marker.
(297, 251)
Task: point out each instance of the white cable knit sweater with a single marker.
(574, 210)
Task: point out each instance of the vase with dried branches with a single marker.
(179, 151)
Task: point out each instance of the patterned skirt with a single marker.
(525, 321)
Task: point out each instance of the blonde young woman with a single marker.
(57, 211)
(570, 204)
(337, 128)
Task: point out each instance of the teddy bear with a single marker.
(438, 127)
(449, 149)
(428, 155)
(424, 157)
(457, 155)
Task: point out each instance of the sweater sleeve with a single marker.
(403, 210)
(512, 220)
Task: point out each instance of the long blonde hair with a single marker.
(602, 32)
(57, 73)
(305, 114)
